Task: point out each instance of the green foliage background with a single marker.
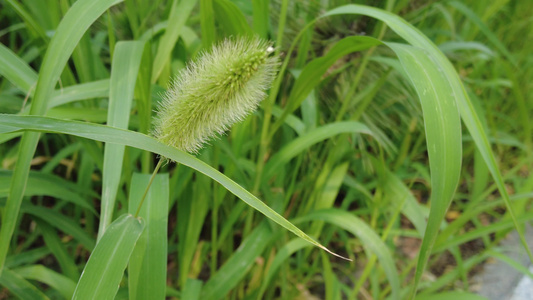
(359, 148)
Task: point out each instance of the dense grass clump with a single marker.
(395, 134)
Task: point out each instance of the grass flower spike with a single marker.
(219, 89)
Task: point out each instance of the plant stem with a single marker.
(159, 164)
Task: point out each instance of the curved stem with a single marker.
(159, 164)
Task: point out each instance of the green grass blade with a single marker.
(124, 70)
(230, 18)
(61, 283)
(14, 69)
(192, 289)
(176, 20)
(310, 138)
(27, 257)
(231, 273)
(368, 237)
(207, 22)
(83, 91)
(261, 17)
(69, 32)
(443, 137)
(137, 140)
(104, 270)
(147, 270)
(19, 286)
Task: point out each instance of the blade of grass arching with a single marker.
(101, 276)
(283, 254)
(40, 273)
(486, 31)
(147, 270)
(17, 71)
(443, 137)
(83, 91)
(236, 267)
(65, 260)
(468, 114)
(137, 140)
(207, 23)
(179, 13)
(19, 286)
(370, 240)
(230, 18)
(72, 27)
(124, 70)
(310, 138)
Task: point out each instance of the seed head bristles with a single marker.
(220, 88)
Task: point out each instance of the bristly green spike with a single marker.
(219, 89)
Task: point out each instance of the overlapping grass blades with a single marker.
(422, 63)
(125, 68)
(133, 139)
(444, 180)
(103, 272)
(69, 32)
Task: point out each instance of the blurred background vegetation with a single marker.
(370, 176)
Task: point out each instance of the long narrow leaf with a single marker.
(104, 270)
(124, 71)
(133, 139)
(16, 70)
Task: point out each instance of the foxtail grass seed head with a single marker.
(220, 88)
